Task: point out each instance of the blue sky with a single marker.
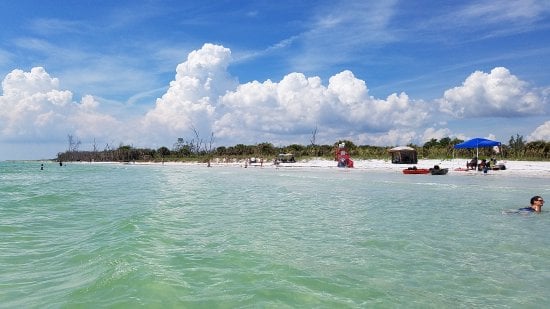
(383, 73)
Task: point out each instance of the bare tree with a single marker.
(313, 136)
(109, 152)
(71, 142)
(211, 142)
(197, 147)
(74, 143)
(313, 140)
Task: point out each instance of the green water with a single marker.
(158, 236)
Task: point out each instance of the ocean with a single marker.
(185, 236)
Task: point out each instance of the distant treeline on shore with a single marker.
(516, 149)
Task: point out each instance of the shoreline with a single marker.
(513, 168)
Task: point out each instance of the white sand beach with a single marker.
(523, 168)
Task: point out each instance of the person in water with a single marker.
(536, 204)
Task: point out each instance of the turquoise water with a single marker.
(113, 235)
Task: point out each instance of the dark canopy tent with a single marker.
(403, 155)
(476, 143)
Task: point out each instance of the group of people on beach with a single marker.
(484, 165)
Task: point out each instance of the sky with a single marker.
(385, 73)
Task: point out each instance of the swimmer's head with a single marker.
(537, 202)
(536, 198)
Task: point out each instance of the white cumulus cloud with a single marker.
(541, 133)
(393, 137)
(495, 94)
(298, 104)
(204, 96)
(191, 99)
(438, 134)
(32, 107)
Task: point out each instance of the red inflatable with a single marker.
(342, 156)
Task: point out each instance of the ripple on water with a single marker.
(180, 236)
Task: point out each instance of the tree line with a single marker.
(516, 149)
(201, 151)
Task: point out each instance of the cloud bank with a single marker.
(205, 97)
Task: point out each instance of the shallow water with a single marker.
(189, 236)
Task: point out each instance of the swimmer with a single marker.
(536, 205)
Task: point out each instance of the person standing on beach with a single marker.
(536, 204)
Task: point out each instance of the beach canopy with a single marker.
(477, 143)
(401, 148)
(403, 155)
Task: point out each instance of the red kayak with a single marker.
(414, 170)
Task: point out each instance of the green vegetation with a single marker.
(516, 149)
(196, 150)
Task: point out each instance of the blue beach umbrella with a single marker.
(476, 143)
